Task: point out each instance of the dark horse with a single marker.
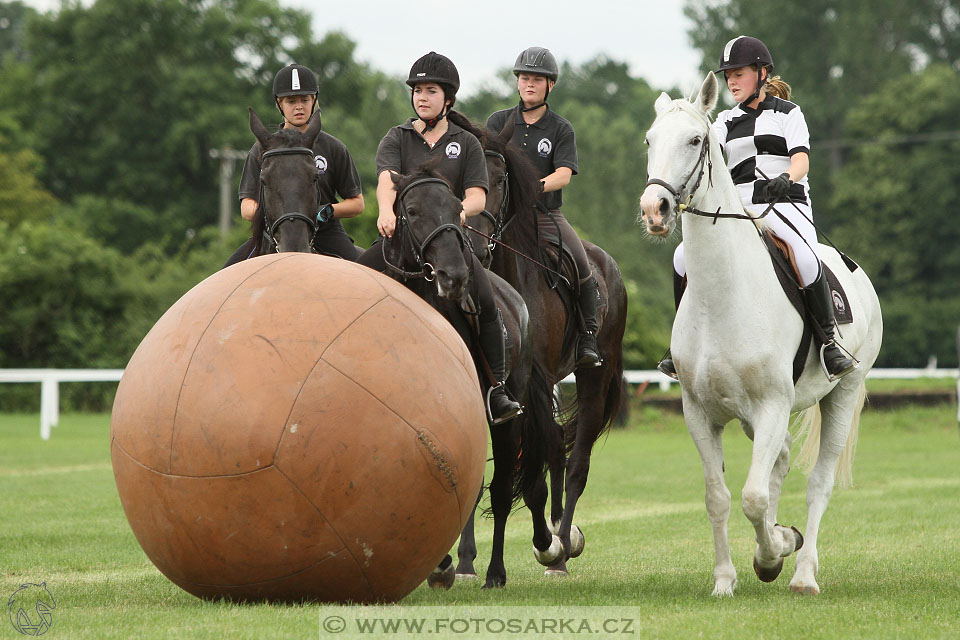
(286, 217)
(430, 255)
(511, 221)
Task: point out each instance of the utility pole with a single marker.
(227, 156)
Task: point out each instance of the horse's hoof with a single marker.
(494, 584)
(467, 576)
(443, 576)
(555, 573)
(577, 541)
(805, 589)
(768, 574)
(551, 554)
(799, 539)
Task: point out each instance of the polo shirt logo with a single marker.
(544, 147)
(321, 164)
(453, 150)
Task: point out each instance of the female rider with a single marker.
(295, 91)
(550, 143)
(767, 145)
(433, 135)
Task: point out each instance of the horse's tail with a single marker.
(809, 422)
(540, 434)
(569, 414)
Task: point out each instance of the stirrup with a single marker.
(509, 415)
(831, 377)
(668, 370)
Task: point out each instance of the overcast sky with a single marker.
(484, 36)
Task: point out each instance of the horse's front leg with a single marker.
(761, 493)
(467, 549)
(708, 439)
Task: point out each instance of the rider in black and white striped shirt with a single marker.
(767, 146)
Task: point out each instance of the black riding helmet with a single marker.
(437, 68)
(744, 51)
(537, 61)
(295, 80)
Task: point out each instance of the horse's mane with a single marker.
(523, 181)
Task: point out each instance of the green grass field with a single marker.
(889, 552)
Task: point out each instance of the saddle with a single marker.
(785, 266)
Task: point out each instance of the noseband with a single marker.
(271, 229)
(418, 248)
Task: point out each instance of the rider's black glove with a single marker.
(777, 188)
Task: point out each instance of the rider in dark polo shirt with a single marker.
(434, 135)
(295, 91)
(549, 142)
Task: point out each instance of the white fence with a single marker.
(50, 380)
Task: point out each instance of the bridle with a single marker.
(271, 229)
(704, 165)
(497, 219)
(418, 248)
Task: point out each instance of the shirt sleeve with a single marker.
(565, 151)
(388, 153)
(719, 127)
(348, 180)
(250, 177)
(496, 121)
(474, 165)
(795, 132)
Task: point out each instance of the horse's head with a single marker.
(679, 148)
(511, 198)
(289, 193)
(429, 236)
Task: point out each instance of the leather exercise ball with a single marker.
(298, 427)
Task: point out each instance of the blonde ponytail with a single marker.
(777, 88)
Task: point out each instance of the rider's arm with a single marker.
(557, 180)
(386, 196)
(474, 202)
(349, 207)
(248, 208)
(799, 166)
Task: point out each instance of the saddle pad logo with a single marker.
(321, 164)
(453, 150)
(544, 147)
(839, 306)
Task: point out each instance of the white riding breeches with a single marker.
(804, 244)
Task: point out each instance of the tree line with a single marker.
(109, 198)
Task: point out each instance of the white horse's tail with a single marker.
(808, 430)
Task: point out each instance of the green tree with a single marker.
(22, 198)
(900, 195)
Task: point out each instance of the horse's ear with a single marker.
(709, 92)
(662, 104)
(507, 132)
(396, 177)
(256, 126)
(313, 130)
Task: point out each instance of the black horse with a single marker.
(286, 217)
(430, 255)
(535, 271)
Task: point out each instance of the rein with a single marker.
(427, 270)
(271, 229)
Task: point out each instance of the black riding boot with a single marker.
(666, 363)
(819, 305)
(588, 354)
(500, 407)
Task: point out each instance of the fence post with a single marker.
(49, 404)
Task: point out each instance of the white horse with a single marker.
(734, 341)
